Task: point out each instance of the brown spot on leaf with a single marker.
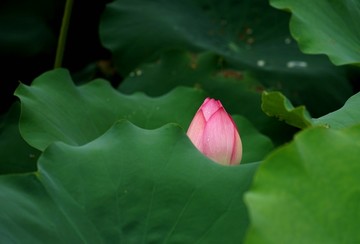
(259, 88)
(232, 74)
(197, 86)
(193, 61)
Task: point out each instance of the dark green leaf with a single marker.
(128, 186)
(255, 145)
(16, 156)
(249, 35)
(251, 32)
(238, 91)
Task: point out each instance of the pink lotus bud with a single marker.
(214, 133)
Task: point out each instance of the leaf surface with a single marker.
(16, 156)
(130, 185)
(275, 104)
(308, 191)
(326, 27)
(54, 109)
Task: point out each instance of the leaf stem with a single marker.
(63, 34)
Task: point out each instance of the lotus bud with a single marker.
(214, 133)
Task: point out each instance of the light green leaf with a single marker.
(54, 109)
(346, 116)
(128, 186)
(277, 105)
(326, 27)
(308, 191)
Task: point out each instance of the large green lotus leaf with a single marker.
(275, 104)
(308, 191)
(346, 116)
(54, 109)
(249, 31)
(326, 27)
(249, 35)
(130, 185)
(16, 156)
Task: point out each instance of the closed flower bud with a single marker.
(215, 134)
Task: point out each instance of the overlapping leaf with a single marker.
(238, 91)
(346, 116)
(277, 105)
(54, 109)
(16, 156)
(248, 34)
(248, 31)
(308, 191)
(128, 186)
(326, 27)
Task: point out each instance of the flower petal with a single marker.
(209, 107)
(237, 148)
(218, 139)
(196, 130)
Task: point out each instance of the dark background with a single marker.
(28, 41)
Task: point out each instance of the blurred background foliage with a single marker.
(247, 35)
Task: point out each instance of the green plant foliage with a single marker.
(243, 30)
(128, 186)
(109, 161)
(54, 109)
(249, 35)
(346, 116)
(308, 191)
(16, 156)
(275, 104)
(326, 27)
(205, 72)
(234, 88)
(255, 144)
